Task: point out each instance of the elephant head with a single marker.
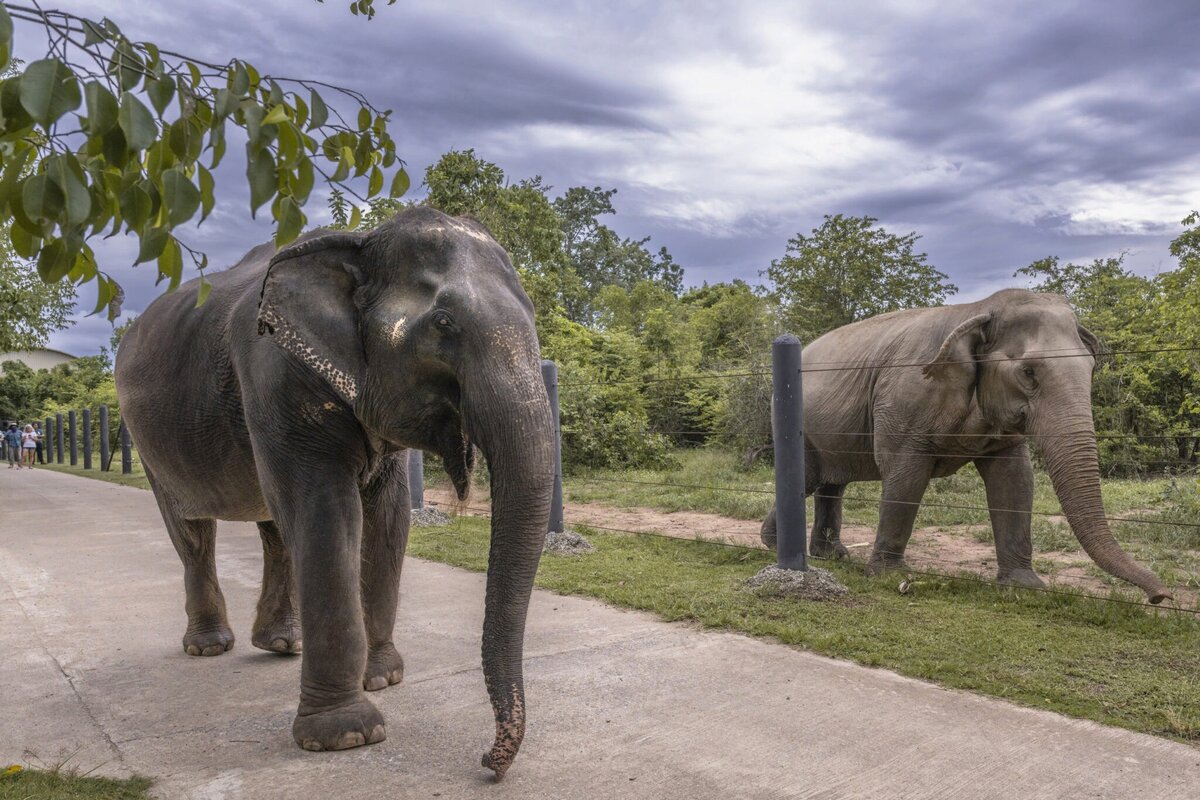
(423, 329)
(1029, 363)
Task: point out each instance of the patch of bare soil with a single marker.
(947, 550)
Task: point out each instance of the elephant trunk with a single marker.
(1067, 439)
(510, 419)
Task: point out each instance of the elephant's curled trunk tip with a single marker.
(1159, 595)
(510, 730)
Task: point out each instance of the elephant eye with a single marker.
(1027, 371)
(442, 319)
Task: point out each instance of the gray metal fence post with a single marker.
(126, 451)
(550, 378)
(48, 441)
(87, 438)
(104, 438)
(416, 479)
(74, 435)
(787, 424)
(58, 436)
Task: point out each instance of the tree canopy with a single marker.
(850, 269)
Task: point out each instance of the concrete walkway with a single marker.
(620, 705)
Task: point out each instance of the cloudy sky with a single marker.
(1002, 132)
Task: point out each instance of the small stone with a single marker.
(567, 543)
(813, 584)
(429, 517)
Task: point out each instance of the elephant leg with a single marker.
(208, 632)
(904, 484)
(827, 522)
(277, 623)
(1008, 479)
(386, 517)
(319, 508)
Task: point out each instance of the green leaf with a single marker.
(226, 103)
(93, 33)
(127, 66)
(301, 109)
(180, 196)
(320, 114)
(207, 197)
(136, 206)
(136, 122)
(42, 199)
(160, 91)
(151, 246)
(24, 243)
(291, 222)
(276, 115)
(202, 291)
(54, 261)
(185, 141)
(239, 79)
(375, 184)
(355, 218)
(364, 118)
(101, 108)
(400, 183)
(14, 170)
(170, 262)
(6, 32)
(303, 184)
(67, 174)
(105, 289)
(289, 145)
(49, 90)
(260, 172)
(216, 141)
(195, 73)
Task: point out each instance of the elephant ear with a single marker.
(307, 306)
(960, 346)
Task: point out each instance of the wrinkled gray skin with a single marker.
(977, 390)
(295, 411)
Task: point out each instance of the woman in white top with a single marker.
(29, 440)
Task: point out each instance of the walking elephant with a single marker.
(289, 398)
(917, 394)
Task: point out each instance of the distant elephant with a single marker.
(288, 399)
(917, 394)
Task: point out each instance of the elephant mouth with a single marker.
(458, 459)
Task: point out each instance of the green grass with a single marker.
(949, 501)
(137, 478)
(59, 784)
(1114, 663)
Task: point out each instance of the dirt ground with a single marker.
(951, 550)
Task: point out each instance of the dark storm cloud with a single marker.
(1117, 80)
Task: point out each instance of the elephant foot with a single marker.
(281, 635)
(767, 534)
(878, 565)
(211, 640)
(828, 548)
(385, 668)
(341, 727)
(1024, 578)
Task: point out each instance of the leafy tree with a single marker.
(1140, 393)
(109, 134)
(30, 310)
(599, 257)
(850, 269)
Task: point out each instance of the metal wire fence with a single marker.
(929, 445)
